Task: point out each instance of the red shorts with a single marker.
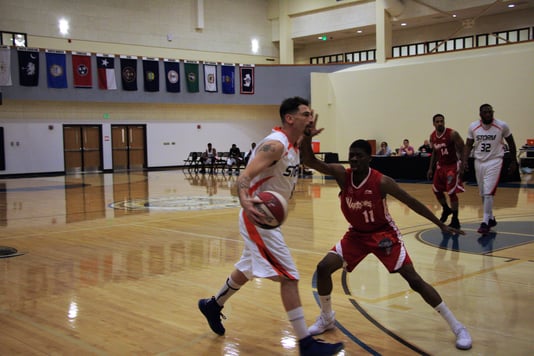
(447, 179)
(387, 246)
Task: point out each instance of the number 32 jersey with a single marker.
(363, 206)
(488, 139)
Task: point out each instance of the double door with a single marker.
(82, 147)
(128, 147)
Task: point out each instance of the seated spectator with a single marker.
(425, 149)
(384, 150)
(406, 149)
(234, 159)
(249, 153)
(208, 158)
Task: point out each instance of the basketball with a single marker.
(274, 206)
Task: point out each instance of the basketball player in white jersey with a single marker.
(485, 137)
(273, 165)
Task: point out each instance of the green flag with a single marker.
(191, 74)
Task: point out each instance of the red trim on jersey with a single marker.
(255, 187)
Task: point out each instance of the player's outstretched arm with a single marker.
(389, 186)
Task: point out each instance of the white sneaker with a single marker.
(323, 323)
(463, 339)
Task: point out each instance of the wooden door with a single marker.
(129, 147)
(82, 148)
(119, 142)
(136, 152)
(91, 149)
(72, 147)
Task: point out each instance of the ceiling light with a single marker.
(403, 24)
(63, 26)
(453, 15)
(359, 31)
(511, 5)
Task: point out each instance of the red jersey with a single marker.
(444, 147)
(363, 206)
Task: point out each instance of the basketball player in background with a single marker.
(372, 230)
(273, 165)
(485, 137)
(448, 149)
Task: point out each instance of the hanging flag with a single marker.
(191, 73)
(81, 70)
(172, 76)
(5, 66)
(28, 67)
(151, 74)
(227, 79)
(210, 78)
(106, 72)
(55, 70)
(129, 73)
(247, 80)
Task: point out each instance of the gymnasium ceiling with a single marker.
(437, 11)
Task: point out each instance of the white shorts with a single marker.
(265, 254)
(488, 174)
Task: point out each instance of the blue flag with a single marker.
(228, 79)
(55, 70)
(172, 76)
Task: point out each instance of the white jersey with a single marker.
(488, 139)
(281, 176)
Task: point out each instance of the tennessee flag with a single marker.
(106, 72)
(81, 70)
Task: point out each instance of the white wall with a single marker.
(397, 99)
(34, 148)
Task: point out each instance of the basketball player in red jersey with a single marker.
(448, 149)
(372, 230)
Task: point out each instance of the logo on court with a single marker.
(178, 203)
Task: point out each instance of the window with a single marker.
(17, 39)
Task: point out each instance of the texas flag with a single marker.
(106, 72)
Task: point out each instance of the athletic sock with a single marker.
(447, 314)
(488, 208)
(326, 304)
(228, 289)
(296, 317)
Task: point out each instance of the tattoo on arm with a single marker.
(243, 184)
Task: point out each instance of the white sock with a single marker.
(488, 208)
(296, 317)
(447, 314)
(228, 289)
(326, 304)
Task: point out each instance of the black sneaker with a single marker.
(455, 223)
(492, 222)
(212, 312)
(445, 214)
(483, 229)
(316, 347)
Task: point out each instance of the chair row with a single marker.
(193, 162)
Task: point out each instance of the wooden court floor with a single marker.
(113, 264)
